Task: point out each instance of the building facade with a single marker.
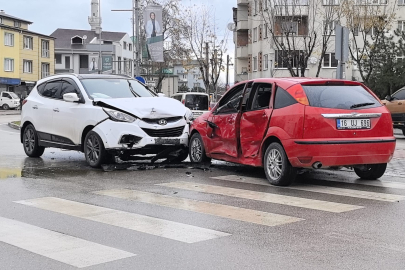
(257, 55)
(25, 56)
(94, 50)
(189, 75)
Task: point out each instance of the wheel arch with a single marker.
(86, 130)
(26, 123)
(269, 140)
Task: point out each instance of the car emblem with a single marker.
(153, 111)
(162, 122)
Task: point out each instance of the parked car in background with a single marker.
(396, 105)
(9, 100)
(198, 103)
(104, 116)
(286, 124)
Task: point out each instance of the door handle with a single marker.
(56, 110)
(35, 107)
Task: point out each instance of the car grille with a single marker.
(156, 121)
(168, 132)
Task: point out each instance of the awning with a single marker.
(10, 81)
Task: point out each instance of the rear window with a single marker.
(197, 102)
(340, 97)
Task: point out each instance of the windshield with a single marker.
(115, 88)
(197, 102)
(340, 97)
(13, 95)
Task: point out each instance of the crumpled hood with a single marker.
(145, 107)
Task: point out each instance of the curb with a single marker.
(14, 126)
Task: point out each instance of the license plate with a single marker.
(167, 141)
(353, 124)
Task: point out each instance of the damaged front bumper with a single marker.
(134, 137)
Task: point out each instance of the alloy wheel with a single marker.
(196, 150)
(93, 149)
(29, 140)
(274, 164)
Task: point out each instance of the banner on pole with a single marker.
(154, 32)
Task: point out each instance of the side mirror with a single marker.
(71, 97)
(388, 97)
(161, 95)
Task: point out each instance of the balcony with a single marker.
(241, 77)
(243, 2)
(242, 52)
(242, 25)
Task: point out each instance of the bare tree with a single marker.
(198, 29)
(291, 27)
(368, 25)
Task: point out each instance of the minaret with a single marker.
(95, 18)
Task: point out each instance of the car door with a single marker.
(397, 104)
(66, 115)
(42, 108)
(7, 99)
(225, 121)
(255, 118)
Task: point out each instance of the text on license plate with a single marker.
(353, 123)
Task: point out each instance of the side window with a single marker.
(233, 93)
(283, 99)
(51, 89)
(67, 87)
(5, 95)
(262, 97)
(399, 95)
(40, 88)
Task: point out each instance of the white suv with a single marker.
(104, 116)
(198, 103)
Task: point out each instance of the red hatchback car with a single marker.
(283, 124)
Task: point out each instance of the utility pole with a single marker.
(227, 70)
(135, 33)
(207, 72)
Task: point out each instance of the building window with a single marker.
(196, 85)
(265, 4)
(289, 27)
(45, 48)
(9, 39)
(130, 47)
(292, 3)
(285, 59)
(184, 76)
(125, 45)
(266, 33)
(255, 63)
(17, 24)
(400, 3)
(371, 2)
(329, 27)
(331, 2)
(58, 58)
(45, 70)
(119, 64)
(67, 62)
(329, 60)
(9, 64)
(265, 62)
(28, 41)
(401, 26)
(1, 20)
(125, 63)
(27, 66)
(401, 59)
(255, 34)
(254, 7)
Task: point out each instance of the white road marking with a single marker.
(150, 225)
(320, 189)
(265, 197)
(219, 210)
(57, 246)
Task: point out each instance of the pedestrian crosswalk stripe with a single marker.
(265, 197)
(57, 246)
(374, 183)
(150, 225)
(320, 189)
(220, 210)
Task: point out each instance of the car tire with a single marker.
(94, 150)
(277, 167)
(5, 107)
(372, 171)
(197, 150)
(30, 142)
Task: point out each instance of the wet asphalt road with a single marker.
(368, 232)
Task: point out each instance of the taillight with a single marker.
(209, 108)
(24, 101)
(183, 101)
(298, 93)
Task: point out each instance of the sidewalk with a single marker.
(10, 112)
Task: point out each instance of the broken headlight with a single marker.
(119, 116)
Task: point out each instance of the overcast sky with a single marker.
(48, 15)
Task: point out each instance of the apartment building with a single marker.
(257, 52)
(25, 56)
